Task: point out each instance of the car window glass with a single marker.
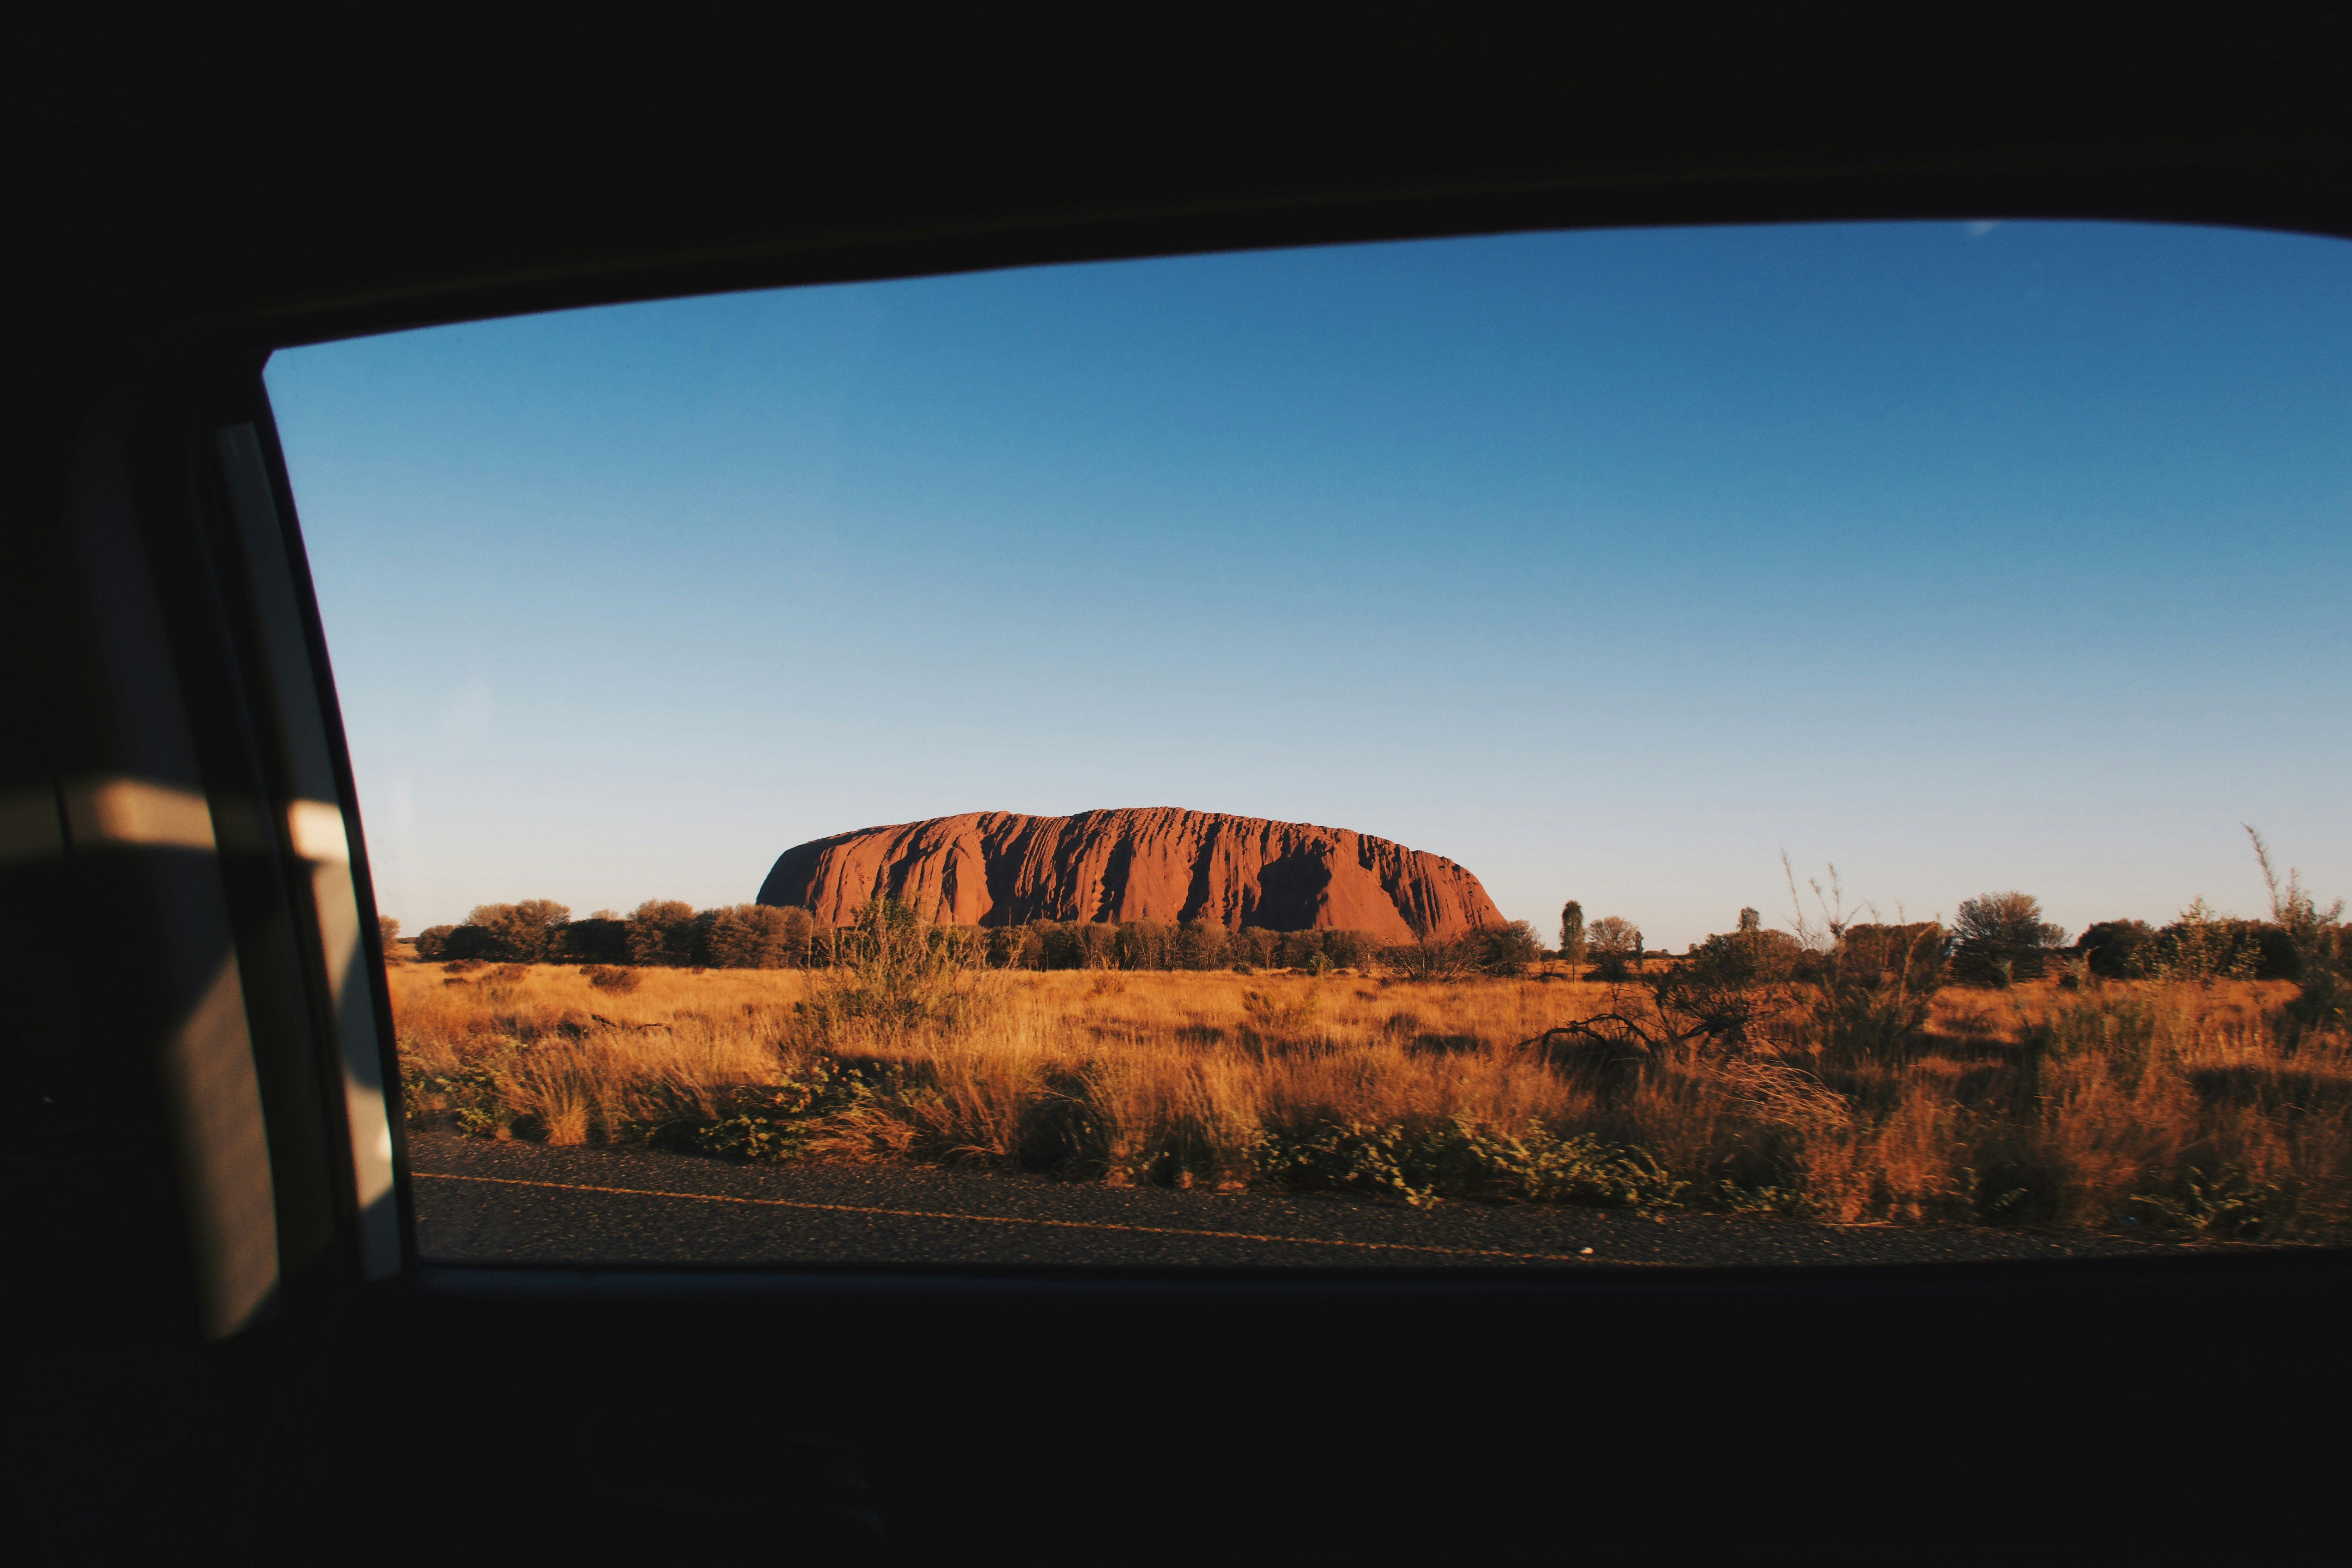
(1813, 743)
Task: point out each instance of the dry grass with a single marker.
(2142, 1104)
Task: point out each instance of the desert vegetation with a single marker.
(666, 933)
(1838, 1072)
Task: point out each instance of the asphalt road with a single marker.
(479, 1202)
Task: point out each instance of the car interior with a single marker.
(230, 1344)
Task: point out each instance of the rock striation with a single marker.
(1156, 863)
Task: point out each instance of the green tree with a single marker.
(1507, 948)
(1017, 947)
(750, 936)
(1611, 936)
(1253, 945)
(1200, 944)
(1295, 949)
(799, 935)
(1571, 931)
(659, 931)
(601, 938)
(2002, 937)
(1612, 941)
(511, 934)
(1060, 945)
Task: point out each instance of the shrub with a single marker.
(2018, 1192)
(776, 1121)
(2202, 945)
(1016, 947)
(1728, 987)
(1507, 948)
(2117, 949)
(892, 971)
(1722, 1000)
(2226, 1203)
(432, 943)
(1875, 1017)
(2001, 937)
(1430, 958)
(1865, 953)
(1462, 1159)
(2316, 937)
(606, 977)
(1276, 1017)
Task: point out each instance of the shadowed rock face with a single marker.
(1157, 863)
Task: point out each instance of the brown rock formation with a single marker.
(1160, 863)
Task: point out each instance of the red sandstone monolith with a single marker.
(1156, 863)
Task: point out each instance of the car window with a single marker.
(1736, 746)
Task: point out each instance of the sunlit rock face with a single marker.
(1156, 863)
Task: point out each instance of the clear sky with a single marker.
(1968, 556)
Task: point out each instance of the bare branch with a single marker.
(2269, 876)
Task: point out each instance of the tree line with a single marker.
(667, 932)
(1998, 939)
(659, 931)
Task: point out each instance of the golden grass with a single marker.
(2159, 1105)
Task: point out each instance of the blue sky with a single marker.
(1966, 556)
